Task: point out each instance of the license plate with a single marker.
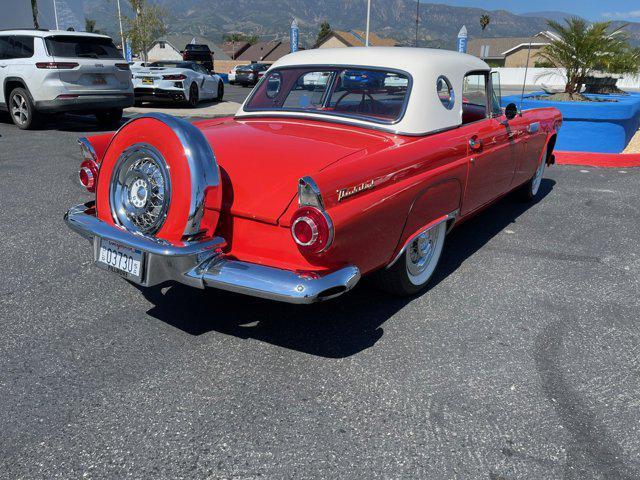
(99, 80)
(147, 81)
(121, 259)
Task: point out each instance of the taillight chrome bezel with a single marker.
(321, 227)
(311, 224)
(89, 166)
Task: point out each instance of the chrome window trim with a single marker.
(203, 166)
(331, 85)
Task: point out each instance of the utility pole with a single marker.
(121, 31)
(55, 14)
(366, 43)
(417, 19)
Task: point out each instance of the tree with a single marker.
(146, 26)
(582, 48)
(484, 21)
(34, 11)
(240, 37)
(325, 29)
(90, 26)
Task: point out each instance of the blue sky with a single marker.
(628, 10)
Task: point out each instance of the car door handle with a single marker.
(475, 143)
(2, 66)
(533, 127)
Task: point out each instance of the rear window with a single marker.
(187, 65)
(374, 95)
(197, 48)
(82, 47)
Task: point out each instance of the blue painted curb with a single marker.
(604, 127)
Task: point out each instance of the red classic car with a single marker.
(340, 163)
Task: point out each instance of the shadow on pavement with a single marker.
(335, 329)
(67, 122)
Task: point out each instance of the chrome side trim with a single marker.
(87, 150)
(429, 226)
(201, 264)
(203, 166)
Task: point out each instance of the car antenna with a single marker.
(524, 81)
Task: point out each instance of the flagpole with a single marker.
(368, 20)
(55, 14)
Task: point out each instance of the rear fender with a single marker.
(100, 144)
(439, 201)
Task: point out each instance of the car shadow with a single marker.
(337, 328)
(67, 122)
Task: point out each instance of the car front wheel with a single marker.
(414, 268)
(194, 95)
(21, 109)
(529, 190)
(220, 91)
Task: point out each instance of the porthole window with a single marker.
(273, 84)
(445, 92)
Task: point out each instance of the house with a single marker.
(234, 49)
(170, 46)
(510, 51)
(269, 51)
(354, 38)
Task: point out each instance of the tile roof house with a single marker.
(354, 38)
(170, 46)
(234, 49)
(510, 51)
(269, 51)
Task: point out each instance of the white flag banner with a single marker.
(16, 14)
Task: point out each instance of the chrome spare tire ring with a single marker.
(140, 189)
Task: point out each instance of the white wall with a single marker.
(15, 14)
(552, 77)
(167, 53)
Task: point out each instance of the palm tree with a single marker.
(34, 11)
(582, 47)
(484, 21)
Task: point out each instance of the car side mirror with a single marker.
(511, 111)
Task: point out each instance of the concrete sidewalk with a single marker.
(203, 110)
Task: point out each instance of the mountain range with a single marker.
(439, 24)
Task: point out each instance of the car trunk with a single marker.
(97, 58)
(261, 160)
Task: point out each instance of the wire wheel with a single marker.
(140, 189)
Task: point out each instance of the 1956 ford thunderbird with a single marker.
(313, 183)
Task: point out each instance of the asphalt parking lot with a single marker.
(521, 361)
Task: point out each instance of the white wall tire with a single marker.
(529, 191)
(414, 269)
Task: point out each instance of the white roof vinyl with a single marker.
(425, 112)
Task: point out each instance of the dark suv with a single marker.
(201, 54)
(250, 74)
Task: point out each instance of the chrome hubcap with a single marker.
(140, 189)
(420, 252)
(19, 110)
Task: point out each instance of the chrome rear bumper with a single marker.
(201, 264)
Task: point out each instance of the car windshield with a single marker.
(369, 94)
(187, 65)
(71, 46)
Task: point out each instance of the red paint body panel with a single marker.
(417, 179)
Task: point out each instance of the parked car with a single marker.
(232, 75)
(179, 81)
(45, 71)
(300, 194)
(200, 54)
(247, 75)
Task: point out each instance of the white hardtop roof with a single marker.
(425, 112)
(49, 33)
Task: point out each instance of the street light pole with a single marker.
(417, 19)
(368, 21)
(121, 31)
(55, 14)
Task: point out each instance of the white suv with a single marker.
(56, 71)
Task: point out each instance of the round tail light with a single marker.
(88, 175)
(311, 229)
